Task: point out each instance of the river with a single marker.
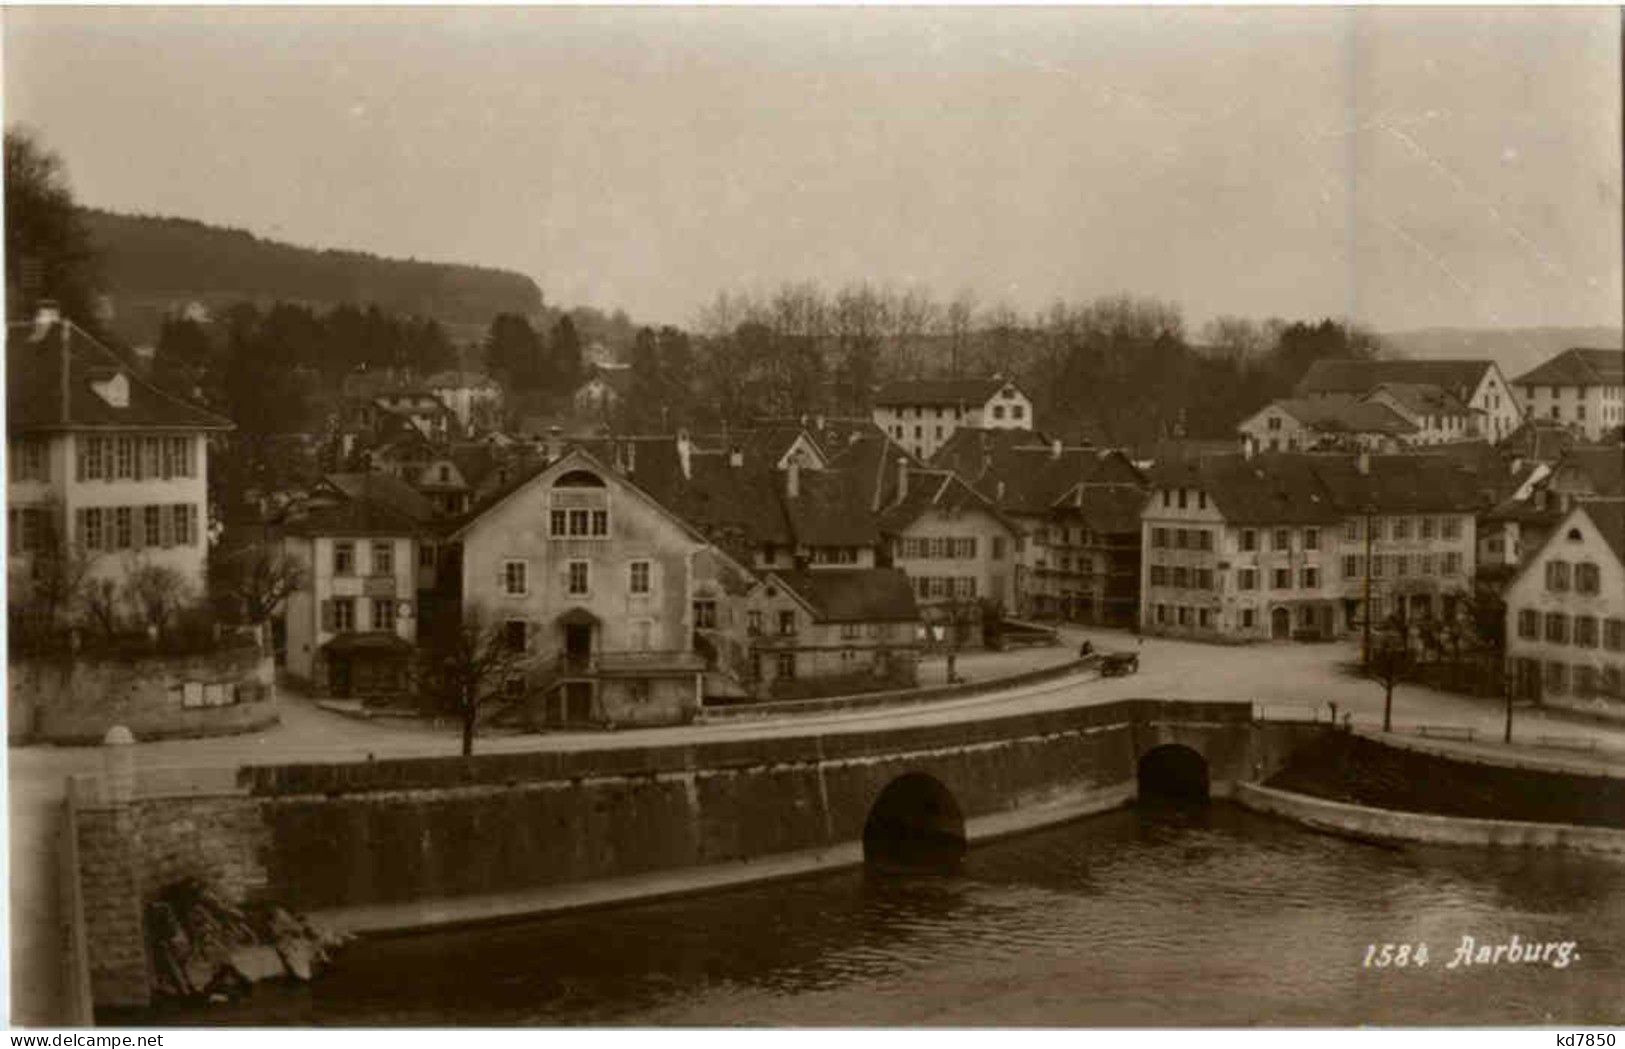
(1208, 916)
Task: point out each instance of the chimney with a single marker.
(555, 443)
(46, 316)
(736, 457)
(1363, 463)
(685, 452)
(792, 480)
(902, 477)
(818, 422)
(1000, 493)
(1055, 448)
(1247, 447)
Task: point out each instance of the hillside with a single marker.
(154, 265)
(1516, 350)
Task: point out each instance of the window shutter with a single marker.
(80, 517)
(327, 615)
(166, 527)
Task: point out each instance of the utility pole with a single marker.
(1506, 687)
(1365, 645)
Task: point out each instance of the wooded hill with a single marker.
(150, 266)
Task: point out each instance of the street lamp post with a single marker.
(1506, 686)
(1365, 645)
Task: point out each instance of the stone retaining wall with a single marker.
(77, 699)
(1390, 825)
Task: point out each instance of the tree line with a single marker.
(1121, 367)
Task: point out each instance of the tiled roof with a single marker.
(1111, 508)
(38, 398)
(380, 489)
(1601, 465)
(1023, 474)
(1578, 367)
(351, 518)
(1609, 517)
(855, 595)
(941, 391)
(937, 490)
(1344, 413)
(1424, 398)
(1542, 439)
(830, 509)
(1319, 489)
(1460, 377)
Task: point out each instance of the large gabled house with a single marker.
(103, 465)
(1565, 624)
(1332, 422)
(603, 587)
(1580, 388)
(923, 414)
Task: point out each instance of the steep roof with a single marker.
(941, 490)
(380, 489)
(1460, 377)
(1542, 439)
(1601, 465)
(1344, 413)
(1578, 367)
(1424, 398)
(830, 509)
(1265, 489)
(40, 397)
(941, 391)
(1023, 474)
(854, 595)
(1111, 508)
(1609, 517)
(352, 518)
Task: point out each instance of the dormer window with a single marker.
(115, 391)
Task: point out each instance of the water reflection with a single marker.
(1143, 917)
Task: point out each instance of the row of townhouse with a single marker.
(638, 575)
(1243, 548)
(1383, 405)
(1075, 514)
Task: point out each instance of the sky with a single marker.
(1402, 168)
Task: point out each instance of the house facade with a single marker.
(597, 583)
(1340, 421)
(1566, 612)
(1251, 548)
(102, 464)
(818, 633)
(922, 415)
(350, 630)
(1580, 388)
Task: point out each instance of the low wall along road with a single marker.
(412, 843)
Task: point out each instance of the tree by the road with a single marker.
(466, 664)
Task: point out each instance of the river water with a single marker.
(1207, 916)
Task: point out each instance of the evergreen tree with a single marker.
(48, 253)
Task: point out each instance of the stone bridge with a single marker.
(421, 842)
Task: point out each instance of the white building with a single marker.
(1581, 388)
(1566, 611)
(922, 414)
(1477, 384)
(474, 398)
(100, 460)
(351, 628)
(1300, 424)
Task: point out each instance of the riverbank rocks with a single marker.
(203, 946)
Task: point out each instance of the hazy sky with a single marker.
(1403, 167)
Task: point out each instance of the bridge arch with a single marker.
(914, 824)
(1173, 771)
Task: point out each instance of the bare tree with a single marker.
(100, 600)
(53, 584)
(466, 664)
(259, 577)
(157, 593)
(957, 321)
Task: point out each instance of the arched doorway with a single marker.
(1173, 772)
(1280, 624)
(915, 824)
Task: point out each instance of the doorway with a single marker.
(1280, 624)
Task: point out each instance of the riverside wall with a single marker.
(372, 835)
